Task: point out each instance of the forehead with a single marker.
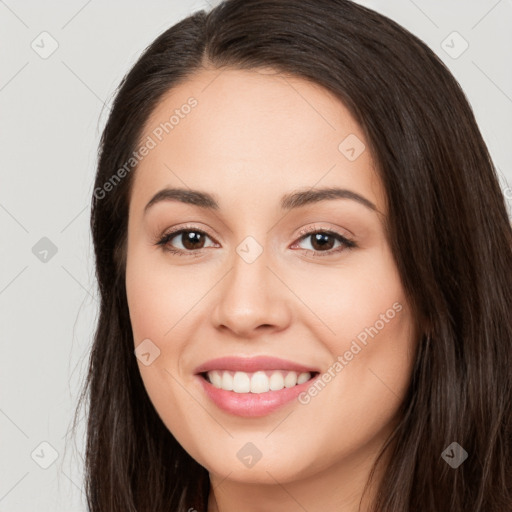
(254, 129)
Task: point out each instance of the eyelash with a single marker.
(304, 234)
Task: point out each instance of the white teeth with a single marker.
(227, 381)
(215, 378)
(257, 382)
(276, 381)
(260, 383)
(241, 383)
(303, 377)
(290, 380)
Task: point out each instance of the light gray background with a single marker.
(52, 112)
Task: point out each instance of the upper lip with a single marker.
(252, 364)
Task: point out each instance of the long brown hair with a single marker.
(448, 230)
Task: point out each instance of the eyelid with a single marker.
(347, 241)
(327, 229)
(184, 227)
(162, 239)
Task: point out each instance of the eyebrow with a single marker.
(295, 199)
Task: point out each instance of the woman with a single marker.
(304, 261)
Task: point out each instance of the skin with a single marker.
(254, 136)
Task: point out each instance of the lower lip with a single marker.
(252, 405)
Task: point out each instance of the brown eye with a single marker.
(323, 241)
(191, 239)
(184, 241)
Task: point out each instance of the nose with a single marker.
(252, 299)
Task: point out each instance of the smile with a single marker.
(252, 404)
(257, 382)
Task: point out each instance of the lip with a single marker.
(253, 364)
(251, 405)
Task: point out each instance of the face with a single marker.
(267, 267)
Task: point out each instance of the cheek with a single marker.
(156, 299)
(354, 296)
(367, 326)
(146, 301)
(155, 311)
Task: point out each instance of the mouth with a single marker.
(253, 395)
(261, 381)
(253, 386)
